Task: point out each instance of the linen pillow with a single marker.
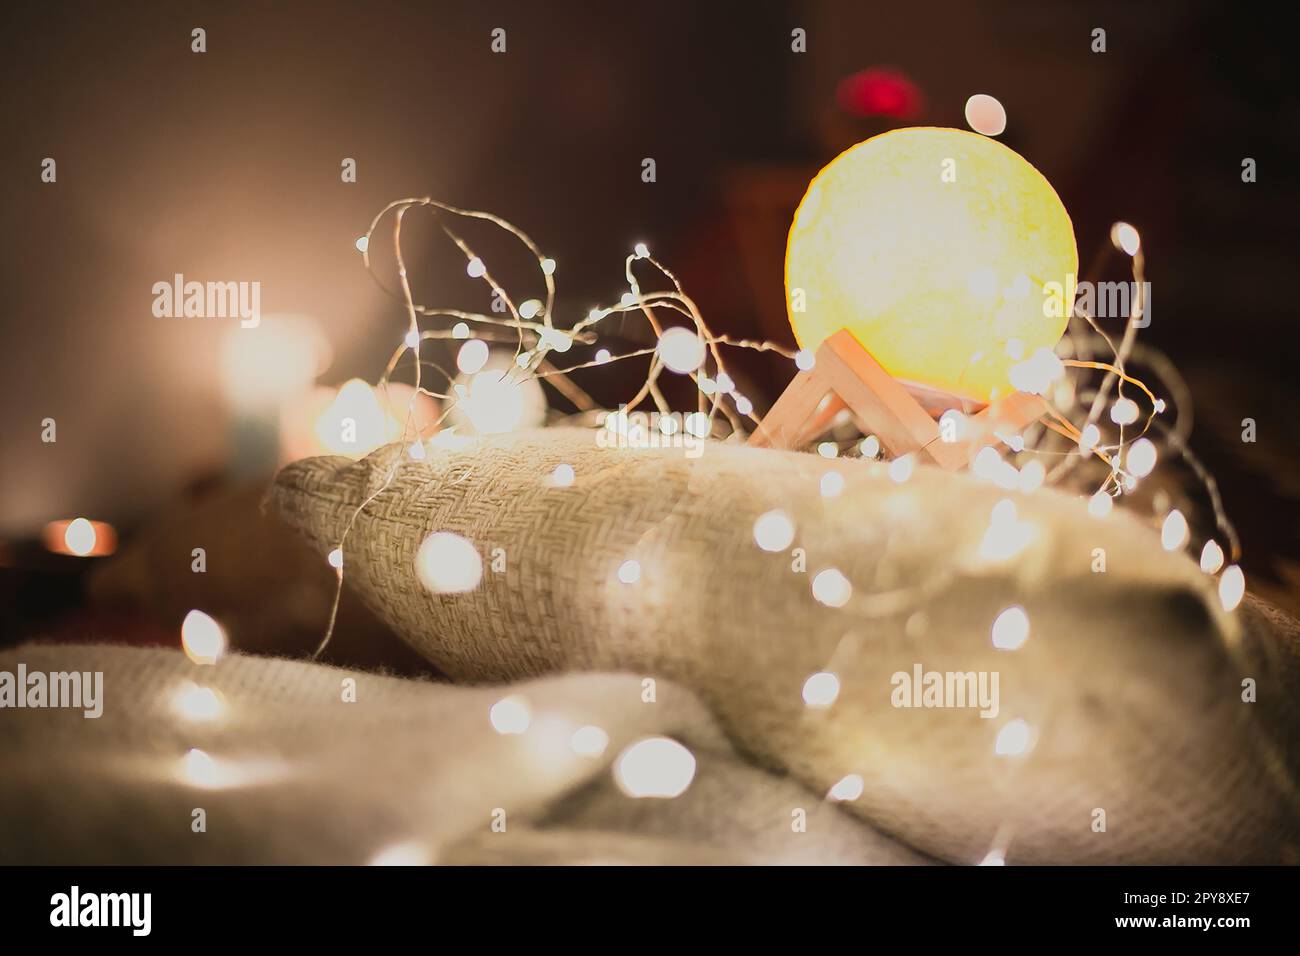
(1120, 733)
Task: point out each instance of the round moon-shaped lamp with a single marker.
(935, 248)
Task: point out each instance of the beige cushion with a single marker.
(1131, 679)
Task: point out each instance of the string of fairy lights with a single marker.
(693, 350)
(659, 766)
(1086, 384)
(689, 350)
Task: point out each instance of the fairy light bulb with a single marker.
(1088, 438)
(1211, 557)
(1141, 458)
(953, 426)
(198, 769)
(773, 531)
(80, 537)
(1010, 629)
(1032, 476)
(460, 330)
(848, 788)
(987, 463)
(1125, 238)
(629, 572)
(1124, 412)
(510, 715)
(804, 360)
(548, 266)
(1037, 373)
(681, 350)
(556, 340)
(202, 638)
(446, 563)
(1014, 739)
(362, 243)
(698, 424)
(192, 702)
(985, 115)
(655, 767)
(562, 476)
(900, 469)
(475, 268)
(1100, 504)
(473, 355)
(1173, 533)
(820, 690)
(529, 308)
(406, 853)
(1006, 535)
(870, 446)
(832, 484)
(832, 588)
(1232, 587)
(335, 558)
(1003, 513)
(915, 240)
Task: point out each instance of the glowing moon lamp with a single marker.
(933, 247)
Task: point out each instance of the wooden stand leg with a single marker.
(1006, 416)
(846, 374)
(791, 421)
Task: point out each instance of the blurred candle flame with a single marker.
(80, 537)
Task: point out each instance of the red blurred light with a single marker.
(880, 91)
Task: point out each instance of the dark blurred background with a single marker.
(225, 165)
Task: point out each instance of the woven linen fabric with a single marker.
(1136, 745)
(411, 770)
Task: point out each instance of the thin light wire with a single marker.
(535, 341)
